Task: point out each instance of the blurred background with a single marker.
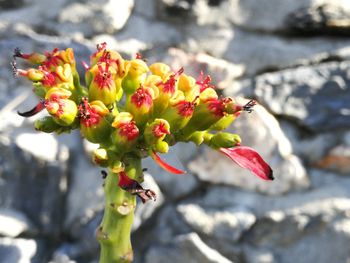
(293, 56)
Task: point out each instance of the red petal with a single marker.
(164, 165)
(39, 107)
(125, 182)
(248, 158)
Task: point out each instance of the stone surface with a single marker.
(34, 186)
(13, 223)
(93, 17)
(152, 33)
(17, 250)
(56, 193)
(256, 52)
(186, 248)
(316, 96)
(261, 131)
(228, 225)
(321, 19)
(337, 160)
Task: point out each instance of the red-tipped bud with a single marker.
(140, 104)
(60, 107)
(103, 86)
(34, 58)
(93, 124)
(126, 132)
(155, 132)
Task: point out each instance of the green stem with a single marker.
(115, 229)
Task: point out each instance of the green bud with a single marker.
(224, 140)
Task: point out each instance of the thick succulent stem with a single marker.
(115, 229)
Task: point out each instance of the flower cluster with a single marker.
(129, 107)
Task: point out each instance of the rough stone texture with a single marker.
(34, 186)
(93, 17)
(186, 248)
(17, 250)
(13, 223)
(55, 195)
(326, 18)
(314, 96)
(257, 52)
(226, 225)
(261, 131)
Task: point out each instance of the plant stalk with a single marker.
(115, 229)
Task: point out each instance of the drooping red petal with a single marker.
(164, 165)
(248, 158)
(39, 107)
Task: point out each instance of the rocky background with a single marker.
(292, 56)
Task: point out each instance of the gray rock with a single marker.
(33, 183)
(149, 34)
(185, 248)
(93, 17)
(257, 52)
(17, 250)
(227, 225)
(328, 18)
(169, 224)
(315, 96)
(261, 131)
(336, 160)
(309, 148)
(82, 205)
(264, 16)
(13, 223)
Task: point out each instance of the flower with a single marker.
(133, 111)
(93, 124)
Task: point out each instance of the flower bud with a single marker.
(103, 86)
(187, 84)
(93, 124)
(100, 157)
(179, 114)
(140, 104)
(137, 70)
(125, 135)
(204, 116)
(60, 107)
(224, 140)
(34, 58)
(155, 133)
(167, 90)
(160, 69)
